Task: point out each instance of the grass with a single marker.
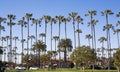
(60, 70)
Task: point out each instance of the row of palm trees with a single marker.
(74, 17)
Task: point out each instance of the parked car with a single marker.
(20, 68)
(34, 68)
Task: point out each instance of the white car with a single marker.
(34, 68)
(20, 68)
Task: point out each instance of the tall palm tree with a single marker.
(22, 23)
(59, 19)
(28, 17)
(52, 21)
(73, 17)
(65, 20)
(7, 42)
(79, 20)
(22, 41)
(118, 15)
(31, 38)
(64, 44)
(107, 28)
(117, 31)
(4, 49)
(11, 17)
(102, 40)
(2, 27)
(88, 36)
(46, 19)
(36, 22)
(39, 46)
(55, 38)
(15, 48)
(42, 35)
(91, 14)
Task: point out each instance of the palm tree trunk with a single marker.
(51, 36)
(55, 49)
(45, 31)
(94, 38)
(27, 38)
(78, 36)
(65, 53)
(11, 55)
(89, 43)
(118, 40)
(22, 41)
(59, 42)
(74, 33)
(65, 32)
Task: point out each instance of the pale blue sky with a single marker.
(61, 7)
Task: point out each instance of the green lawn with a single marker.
(60, 70)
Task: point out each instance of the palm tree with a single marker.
(52, 21)
(2, 27)
(39, 46)
(15, 38)
(102, 40)
(31, 38)
(117, 31)
(46, 19)
(28, 17)
(42, 35)
(79, 20)
(107, 28)
(7, 40)
(4, 49)
(65, 20)
(91, 14)
(36, 22)
(73, 17)
(118, 15)
(59, 19)
(78, 31)
(55, 38)
(88, 36)
(64, 44)
(22, 41)
(1, 52)
(22, 23)
(10, 23)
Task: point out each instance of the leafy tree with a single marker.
(65, 44)
(83, 56)
(116, 57)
